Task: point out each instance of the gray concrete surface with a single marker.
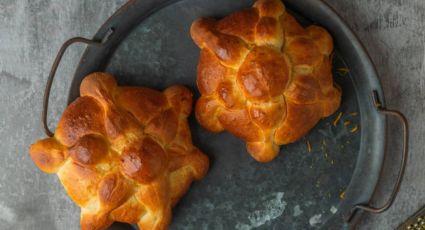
(31, 32)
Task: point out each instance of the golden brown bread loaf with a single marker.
(123, 153)
(263, 77)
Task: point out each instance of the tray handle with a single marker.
(54, 68)
(387, 205)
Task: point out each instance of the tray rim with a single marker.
(86, 64)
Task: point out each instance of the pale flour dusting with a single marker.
(297, 211)
(271, 209)
(316, 219)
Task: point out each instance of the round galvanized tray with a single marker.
(316, 182)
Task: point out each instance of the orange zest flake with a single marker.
(342, 71)
(355, 129)
(308, 146)
(326, 155)
(354, 114)
(337, 119)
(342, 195)
(346, 123)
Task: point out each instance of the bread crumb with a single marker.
(342, 195)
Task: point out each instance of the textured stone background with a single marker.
(31, 32)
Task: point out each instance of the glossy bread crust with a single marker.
(123, 153)
(263, 77)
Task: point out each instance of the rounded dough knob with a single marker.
(144, 163)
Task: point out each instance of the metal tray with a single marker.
(148, 43)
